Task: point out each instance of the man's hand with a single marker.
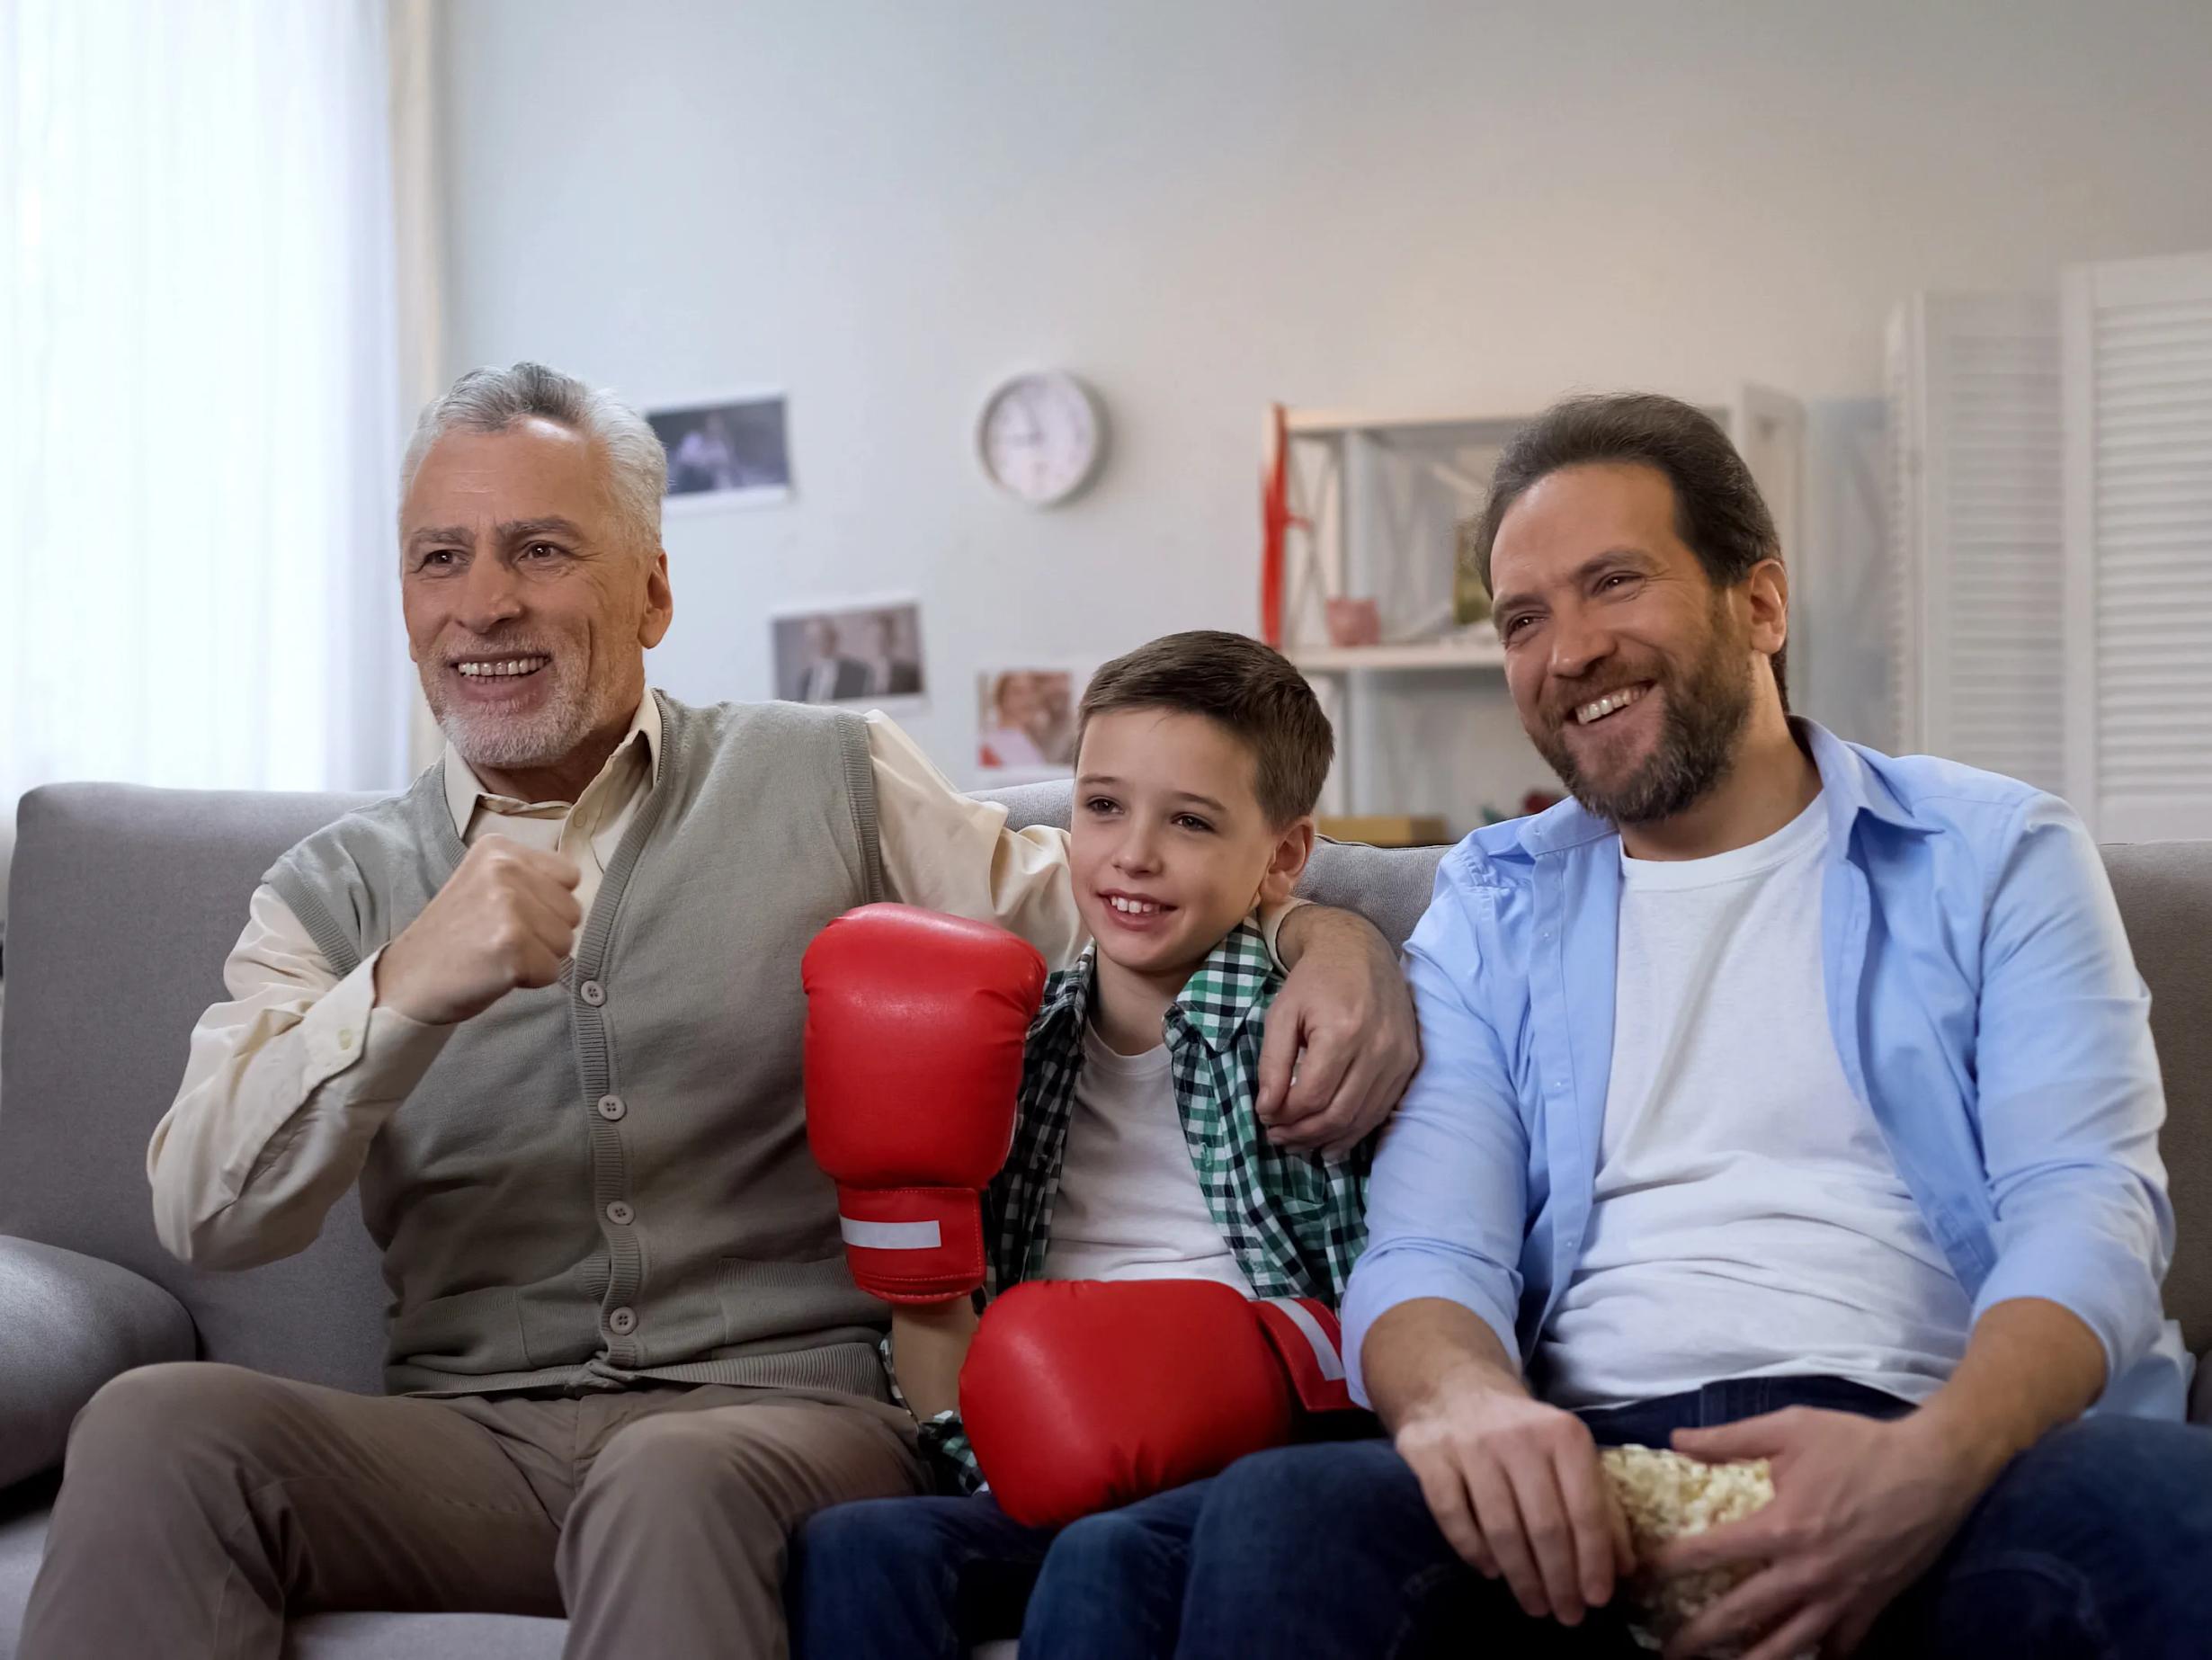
(505, 918)
(1341, 1043)
(1860, 1509)
(1517, 1488)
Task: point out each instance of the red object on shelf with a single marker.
(1275, 521)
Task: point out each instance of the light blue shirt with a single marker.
(1981, 999)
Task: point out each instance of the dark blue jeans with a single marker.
(925, 1578)
(2095, 1542)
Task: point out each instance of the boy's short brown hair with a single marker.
(1236, 682)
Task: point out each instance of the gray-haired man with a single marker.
(545, 1008)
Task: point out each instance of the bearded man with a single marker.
(1779, 1098)
(545, 1009)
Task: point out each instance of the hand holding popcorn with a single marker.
(1666, 1495)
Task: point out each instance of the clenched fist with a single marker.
(505, 918)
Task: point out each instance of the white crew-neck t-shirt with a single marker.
(1749, 1219)
(1129, 1205)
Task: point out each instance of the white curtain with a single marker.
(198, 407)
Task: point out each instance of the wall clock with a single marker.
(1042, 437)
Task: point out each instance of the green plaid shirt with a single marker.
(1294, 1222)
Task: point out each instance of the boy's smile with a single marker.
(1136, 912)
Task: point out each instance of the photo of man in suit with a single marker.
(849, 656)
(888, 674)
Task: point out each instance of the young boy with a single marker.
(1137, 1155)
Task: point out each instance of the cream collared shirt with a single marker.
(289, 1081)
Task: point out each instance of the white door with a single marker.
(1976, 532)
(2138, 545)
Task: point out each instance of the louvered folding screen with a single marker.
(1976, 532)
(2138, 545)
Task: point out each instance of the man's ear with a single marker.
(1294, 845)
(1768, 591)
(660, 605)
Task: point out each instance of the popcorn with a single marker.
(1666, 1494)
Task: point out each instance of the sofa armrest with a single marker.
(68, 1323)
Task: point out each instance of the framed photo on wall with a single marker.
(1025, 722)
(867, 653)
(730, 451)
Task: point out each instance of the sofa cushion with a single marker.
(68, 1323)
(124, 902)
(2164, 891)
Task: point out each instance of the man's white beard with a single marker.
(538, 737)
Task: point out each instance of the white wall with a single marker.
(1203, 205)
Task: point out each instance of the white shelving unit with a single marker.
(1377, 498)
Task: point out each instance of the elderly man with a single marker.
(1788, 1099)
(545, 1008)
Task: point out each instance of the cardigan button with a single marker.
(621, 1214)
(592, 993)
(612, 1108)
(622, 1322)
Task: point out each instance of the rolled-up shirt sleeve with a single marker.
(1447, 1199)
(287, 1083)
(948, 851)
(2070, 1101)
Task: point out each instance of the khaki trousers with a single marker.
(203, 1503)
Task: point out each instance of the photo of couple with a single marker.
(1026, 722)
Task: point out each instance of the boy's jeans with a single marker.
(2096, 1542)
(927, 1577)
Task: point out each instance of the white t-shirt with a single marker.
(1749, 1218)
(1129, 1205)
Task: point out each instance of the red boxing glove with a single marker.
(915, 1028)
(1081, 1395)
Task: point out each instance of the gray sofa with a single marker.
(122, 904)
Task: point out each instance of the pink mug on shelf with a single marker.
(1354, 622)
